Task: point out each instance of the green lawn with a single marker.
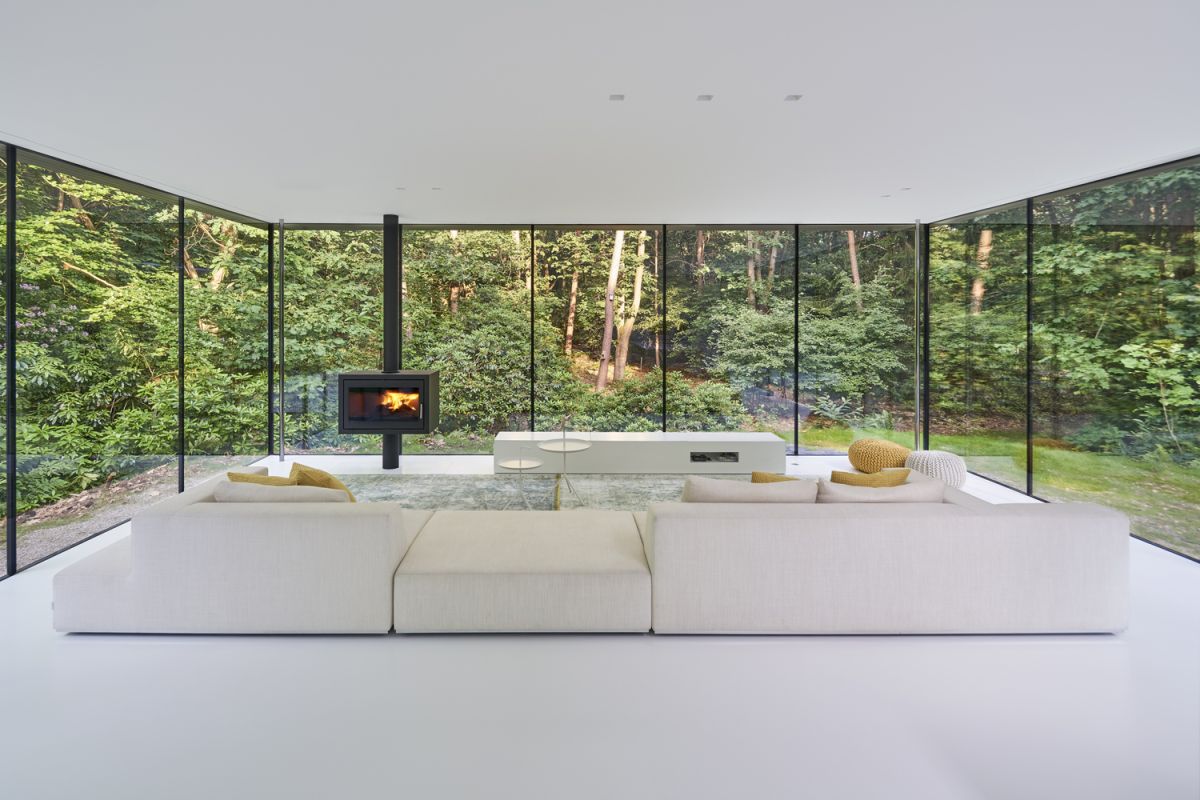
(1162, 498)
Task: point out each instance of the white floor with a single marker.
(605, 716)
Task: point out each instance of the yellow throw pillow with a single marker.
(769, 477)
(305, 475)
(872, 455)
(889, 477)
(261, 480)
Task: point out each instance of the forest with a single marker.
(808, 332)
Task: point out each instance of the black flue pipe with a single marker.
(391, 322)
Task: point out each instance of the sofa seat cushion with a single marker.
(533, 571)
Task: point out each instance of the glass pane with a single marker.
(97, 332)
(729, 330)
(857, 337)
(578, 329)
(466, 315)
(225, 344)
(1116, 323)
(977, 342)
(333, 322)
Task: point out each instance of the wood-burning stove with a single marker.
(387, 402)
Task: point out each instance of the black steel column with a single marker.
(391, 322)
(10, 358)
(180, 432)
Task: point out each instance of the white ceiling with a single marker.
(318, 111)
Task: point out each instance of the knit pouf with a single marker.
(872, 455)
(946, 467)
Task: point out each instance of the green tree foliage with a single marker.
(97, 334)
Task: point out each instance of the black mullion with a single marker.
(180, 433)
(10, 358)
(924, 317)
(796, 340)
(1029, 346)
(270, 339)
(400, 313)
(532, 344)
(663, 297)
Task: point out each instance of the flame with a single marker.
(395, 401)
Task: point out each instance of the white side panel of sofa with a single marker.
(888, 568)
(247, 568)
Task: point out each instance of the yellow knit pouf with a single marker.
(872, 455)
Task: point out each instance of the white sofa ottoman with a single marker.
(524, 571)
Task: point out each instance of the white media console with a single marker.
(600, 452)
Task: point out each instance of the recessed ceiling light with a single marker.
(885, 195)
(791, 98)
(906, 188)
(401, 188)
(616, 98)
(704, 98)
(436, 189)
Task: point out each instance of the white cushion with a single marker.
(524, 571)
(928, 490)
(715, 490)
(239, 492)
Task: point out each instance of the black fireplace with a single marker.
(387, 402)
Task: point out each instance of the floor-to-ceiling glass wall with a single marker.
(730, 329)
(225, 341)
(1117, 370)
(466, 313)
(597, 328)
(856, 336)
(332, 312)
(977, 338)
(96, 350)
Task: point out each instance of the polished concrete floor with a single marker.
(616, 716)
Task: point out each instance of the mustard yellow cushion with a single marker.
(891, 477)
(768, 477)
(872, 455)
(305, 475)
(261, 480)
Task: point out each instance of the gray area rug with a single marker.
(496, 492)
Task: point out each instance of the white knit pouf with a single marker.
(946, 467)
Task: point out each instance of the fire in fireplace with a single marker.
(387, 402)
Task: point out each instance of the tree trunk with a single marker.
(83, 215)
(751, 269)
(771, 269)
(855, 278)
(228, 245)
(700, 259)
(454, 292)
(658, 247)
(614, 271)
(635, 305)
(408, 326)
(983, 256)
(569, 339)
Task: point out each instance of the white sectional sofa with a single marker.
(192, 565)
(888, 568)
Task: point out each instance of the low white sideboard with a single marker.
(604, 452)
